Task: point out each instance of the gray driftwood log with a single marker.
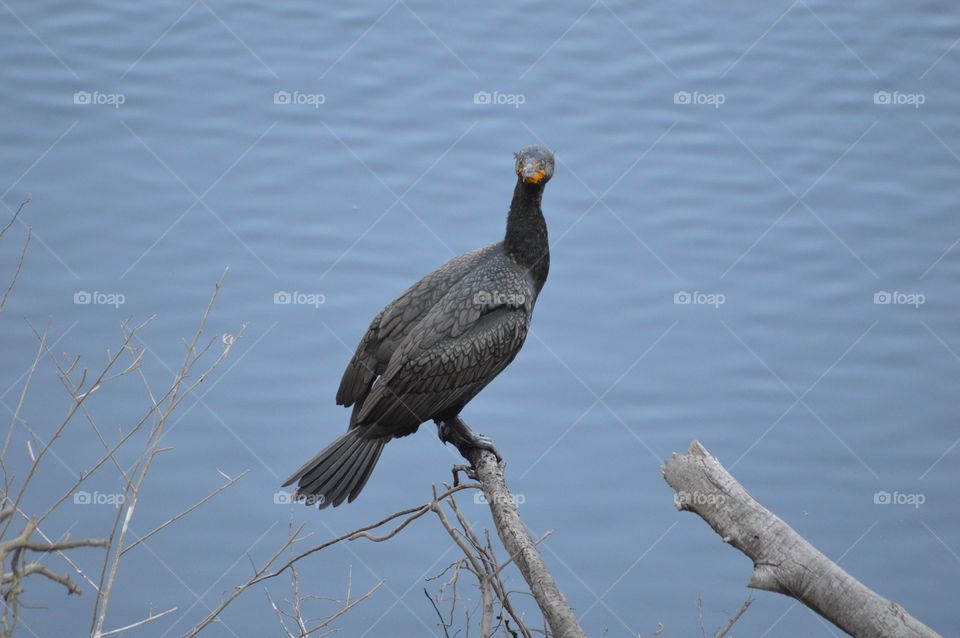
(783, 561)
(522, 548)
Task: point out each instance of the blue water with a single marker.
(734, 151)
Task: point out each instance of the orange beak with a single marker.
(533, 174)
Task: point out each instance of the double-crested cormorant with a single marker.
(433, 348)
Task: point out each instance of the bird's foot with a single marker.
(458, 433)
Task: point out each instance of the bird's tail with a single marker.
(339, 471)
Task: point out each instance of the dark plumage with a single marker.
(433, 348)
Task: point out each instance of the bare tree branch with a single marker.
(784, 562)
(513, 534)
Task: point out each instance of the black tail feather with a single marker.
(340, 471)
(365, 475)
(349, 476)
(328, 467)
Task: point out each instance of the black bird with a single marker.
(433, 348)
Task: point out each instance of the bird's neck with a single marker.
(526, 239)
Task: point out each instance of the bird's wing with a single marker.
(396, 320)
(443, 363)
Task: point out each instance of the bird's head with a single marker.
(534, 164)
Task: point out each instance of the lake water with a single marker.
(786, 168)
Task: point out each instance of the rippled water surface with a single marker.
(779, 165)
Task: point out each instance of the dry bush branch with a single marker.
(479, 559)
(296, 613)
(80, 384)
(163, 409)
(12, 583)
(266, 571)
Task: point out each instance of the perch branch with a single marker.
(513, 534)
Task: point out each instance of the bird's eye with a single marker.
(542, 164)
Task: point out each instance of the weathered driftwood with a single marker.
(783, 561)
(522, 548)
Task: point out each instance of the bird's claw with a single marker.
(464, 439)
(484, 442)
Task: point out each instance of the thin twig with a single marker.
(733, 619)
(26, 200)
(443, 623)
(16, 273)
(149, 618)
(412, 513)
(345, 609)
(176, 518)
(16, 415)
